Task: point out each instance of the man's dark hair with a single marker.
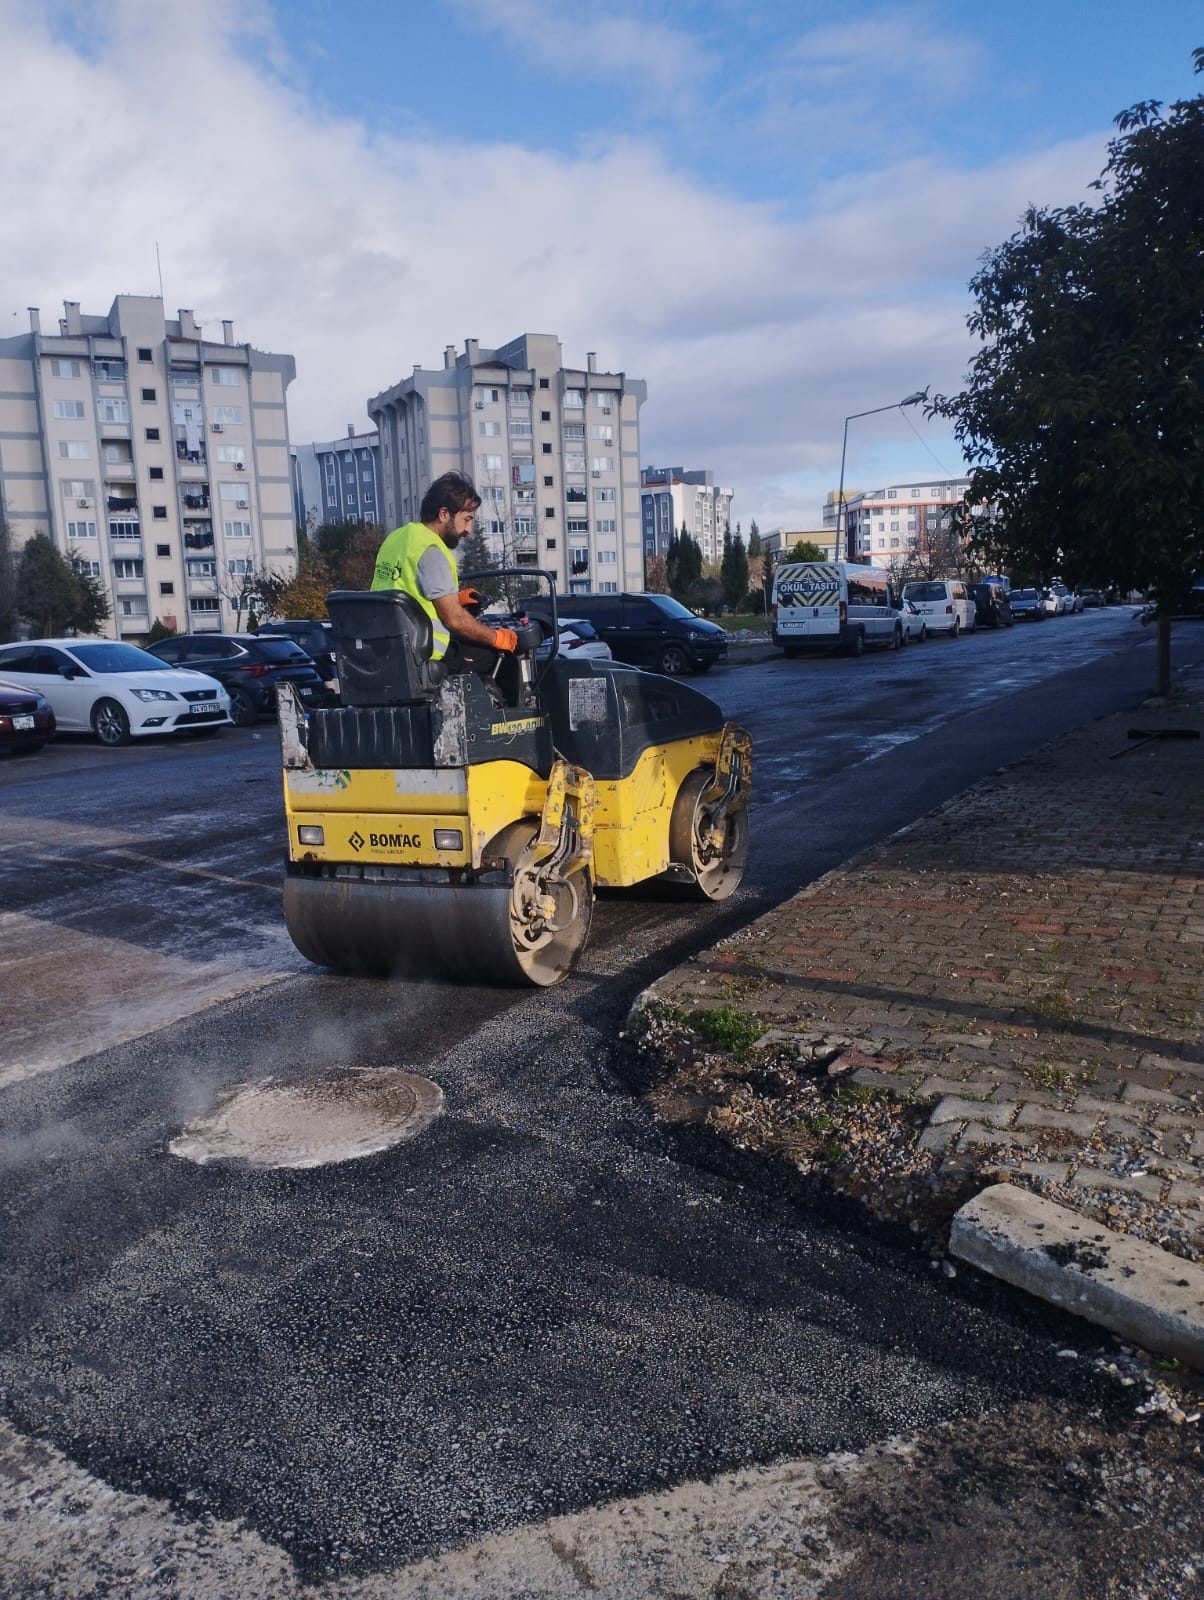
(453, 490)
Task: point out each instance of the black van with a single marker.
(647, 630)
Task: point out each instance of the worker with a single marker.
(418, 559)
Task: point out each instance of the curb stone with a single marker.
(1134, 1289)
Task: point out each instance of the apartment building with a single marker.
(884, 524)
(672, 498)
(338, 481)
(157, 456)
(554, 451)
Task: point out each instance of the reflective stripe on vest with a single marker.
(397, 568)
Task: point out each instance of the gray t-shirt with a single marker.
(437, 573)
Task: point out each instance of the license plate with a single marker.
(20, 724)
(204, 708)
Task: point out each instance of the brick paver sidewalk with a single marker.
(1011, 989)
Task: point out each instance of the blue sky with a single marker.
(770, 212)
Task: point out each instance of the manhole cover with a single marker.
(313, 1124)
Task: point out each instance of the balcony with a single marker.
(196, 502)
(576, 496)
(190, 458)
(199, 538)
(121, 502)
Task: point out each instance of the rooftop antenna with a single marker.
(159, 264)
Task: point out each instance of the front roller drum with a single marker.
(708, 843)
(530, 930)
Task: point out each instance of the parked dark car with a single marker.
(248, 666)
(991, 605)
(1026, 605)
(647, 630)
(1090, 597)
(26, 720)
(315, 637)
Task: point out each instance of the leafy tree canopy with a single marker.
(55, 593)
(1083, 411)
(805, 550)
(733, 574)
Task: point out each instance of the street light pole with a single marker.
(842, 521)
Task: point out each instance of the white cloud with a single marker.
(362, 255)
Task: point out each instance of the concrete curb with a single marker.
(1136, 1290)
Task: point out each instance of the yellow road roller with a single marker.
(456, 825)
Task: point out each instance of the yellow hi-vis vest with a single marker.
(397, 568)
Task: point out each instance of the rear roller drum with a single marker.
(713, 851)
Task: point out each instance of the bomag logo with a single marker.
(394, 841)
(518, 725)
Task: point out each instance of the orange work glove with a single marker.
(505, 639)
(471, 597)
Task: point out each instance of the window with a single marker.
(602, 464)
(81, 530)
(74, 450)
(198, 568)
(491, 463)
(493, 525)
(549, 544)
(225, 414)
(604, 402)
(891, 495)
(493, 492)
(200, 607)
(604, 525)
(575, 525)
(149, 395)
(574, 430)
(236, 530)
(240, 566)
(543, 384)
(69, 408)
(894, 527)
(547, 449)
(549, 511)
(524, 526)
(606, 558)
(127, 569)
(520, 430)
(894, 544)
(159, 513)
(604, 497)
(156, 473)
(162, 549)
(232, 454)
(133, 608)
(152, 434)
(603, 432)
(574, 461)
(573, 399)
(545, 416)
(90, 569)
(64, 369)
(226, 376)
(608, 588)
(915, 494)
(167, 588)
(489, 430)
(124, 528)
(236, 492)
(145, 353)
(111, 410)
(578, 558)
(548, 482)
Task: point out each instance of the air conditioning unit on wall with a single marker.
(82, 503)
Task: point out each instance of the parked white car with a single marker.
(116, 690)
(1051, 603)
(946, 605)
(911, 620)
(579, 640)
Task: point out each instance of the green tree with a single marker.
(8, 585)
(1083, 412)
(805, 550)
(473, 554)
(683, 563)
(733, 572)
(159, 630)
(93, 607)
(755, 547)
(52, 594)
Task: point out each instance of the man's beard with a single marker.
(451, 540)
